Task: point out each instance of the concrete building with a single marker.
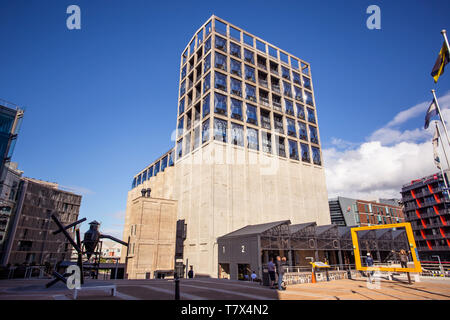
(427, 209)
(362, 213)
(29, 235)
(247, 146)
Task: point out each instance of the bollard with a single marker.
(177, 287)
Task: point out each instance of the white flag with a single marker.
(436, 137)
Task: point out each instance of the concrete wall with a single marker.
(221, 188)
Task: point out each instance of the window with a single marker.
(235, 34)
(221, 44)
(293, 149)
(265, 119)
(313, 135)
(221, 61)
(220, 104)
(220, 81)
(278, 123)
(179, 150)
(208, 45)
(261, 46)
(273, 67)
(196, 137)
(261, 62)
(207, 83)
(273, 52)
(298, 93)
(291, 127)
(206, 106)
(252, 139)
(294, 63)
(306, 82)
(220, 27)
(264, 97)
(250, 92)
(266, 141)
(308, 98)
(188, 120)
(289, 107)
(311, 115)
(251, 114)
(183, 88)
(157, 167)
(287, 89)
(191, 47)
(207, 63)
(181, 106)
(249, 73)
(316, 155)
(303, 135)
(236, 87)
(284, 57)
(285, 73)
(183, 72)
(163, 163)
(235, 67)
(139, 180)
(300, 111)
(236, 109)
(305, 152)
(235, 50)
(220, 130)
(279, 141)
(133, 185)
(305, 68)
(150, 172)
(296, 78)
(144, 176)
(205, 131)
(248, 40)
(249, 56)
(184, 56)
(237, 134)
(187, 140)
(180, 126)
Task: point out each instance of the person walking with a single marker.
(403, 259)
(191, 273)
(369, 262)
(271, 269)
(280, 271)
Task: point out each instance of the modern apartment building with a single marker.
(361, 213)
(427, 209)
(247, 145)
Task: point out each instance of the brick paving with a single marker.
(216, 289)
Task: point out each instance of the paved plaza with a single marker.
(217, 289)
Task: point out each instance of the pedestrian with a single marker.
(280, 270)
(191, 273)
(271, 269)
(253, 276)
(369, 262)
(403, 259)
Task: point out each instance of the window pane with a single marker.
(293, 149)
(306, 83)
(250, 92)
(249, 56)
(303, 135)
(208, 44)
(249, 73)
(316, 156)
(150, 172)
(181, 106)
(183, 72)
(252, 139)
(180, 126)
(311, 115)
(157, 167)
(281, 149)
(133, 185)
(300, 111)
(237, 134)
(163, 163)
(236, 87)
(191, 47)
(296, 78)
(305, 68)
(207, 83)
(289, 107)
(221, 44)
(287, 89)
(308, 98)
(206, 106)
(179, 150)
(284, 57)
(273, 52)
(235, 67)
(199, 38)
(220, 27)
(305, 152)
(248, 40)
(220, 81)
(313, 135)
(220, 130)
(139, 180)
(207, 63)
(266, 141)
(205, 131)
(298, 93)
(144, 176)
(171, 155)
(187, 140)
(294, 63)
(220, 104)
(278, 123)
(236, 109)
(291, 127)
(235, 50)
(220, 61)
(196, 137)
(261, 46)
(251, 114)
(235, 34)
(265, 119)
(183, 88)
(285, 73)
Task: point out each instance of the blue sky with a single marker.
(101, 101)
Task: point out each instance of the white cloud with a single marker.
(390, 158)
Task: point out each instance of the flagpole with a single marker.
(443, 149)
(444, 34)
(440, 115)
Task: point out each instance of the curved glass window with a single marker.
(293, 149)
(220, 81)
(311, 115)
(235, 50)
(252, 139)
(251, 114)
(303, 134)
(220, 130)
(266, 141)
(220, 104)
(236, 109)
(305, 152)
(313, 137)
(316, 156)
(237, 134)
(235, 67)
(250, 73)
(236, 87)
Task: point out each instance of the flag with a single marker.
(442, 60)
(431, 112)
(436, 137)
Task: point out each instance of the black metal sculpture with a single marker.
(89, 244)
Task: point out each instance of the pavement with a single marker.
(219, 289)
